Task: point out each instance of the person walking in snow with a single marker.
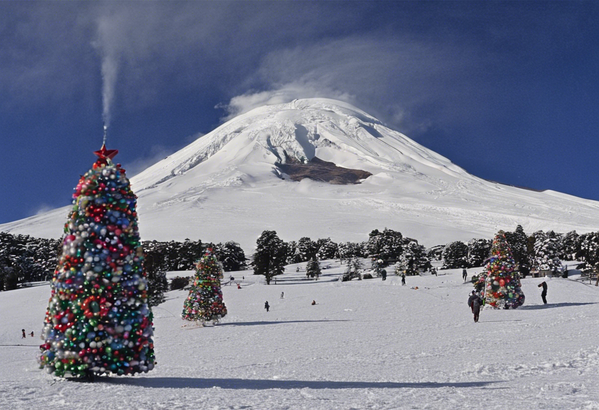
(475, 302)
(24, 335)
(544, 292)
(464, 274)
(403, 278)
(266, 306)
(282, 295)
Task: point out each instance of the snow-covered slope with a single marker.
(226, 186)
(365, 345)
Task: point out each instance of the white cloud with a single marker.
(157, 153)
(43, 208)
(391, 78)
(286, 93)
(161, 49)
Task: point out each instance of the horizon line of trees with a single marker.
(538, 251)
(24, 258)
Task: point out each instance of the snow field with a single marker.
(367, 344)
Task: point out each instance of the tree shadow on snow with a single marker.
(499, 321)
(305, 281)
(555, 305)
(281, 322)
(256, 384)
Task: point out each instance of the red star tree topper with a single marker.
(106, 153)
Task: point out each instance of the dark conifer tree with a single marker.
(231, 256)
(313, 268)
(455, 255)
(270, 256)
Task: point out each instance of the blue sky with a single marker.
(507, 90)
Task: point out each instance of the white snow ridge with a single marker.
(227, 185)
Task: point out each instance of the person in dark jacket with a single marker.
(266, 305)
(475, 302)
(544, 292)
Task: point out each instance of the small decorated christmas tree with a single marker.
(205, 300)
(502, 281)
(98, 320)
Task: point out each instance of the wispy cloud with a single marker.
(42, 209)
(157, 153)
(288, 92)
(391, 77)
(251, 53)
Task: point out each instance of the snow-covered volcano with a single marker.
(244, 177)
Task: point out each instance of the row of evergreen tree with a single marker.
(387, 246)
(25, 259)
(537, 251)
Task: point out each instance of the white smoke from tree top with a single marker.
(108, 45)
(109, 74)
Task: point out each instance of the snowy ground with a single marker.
(365, 345)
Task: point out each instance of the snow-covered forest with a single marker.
(24, 259)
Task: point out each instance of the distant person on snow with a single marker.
(266, 306)
(282, 295)
(464, 274)
(403, 278)
(313, 302)
(475, 302)
(24, 335)
(544, 292)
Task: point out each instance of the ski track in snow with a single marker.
(366, 345)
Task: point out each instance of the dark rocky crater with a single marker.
(319, 170)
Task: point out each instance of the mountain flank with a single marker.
(240, 179)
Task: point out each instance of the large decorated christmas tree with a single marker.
(205, 300)
(502, 281)
(98, 320)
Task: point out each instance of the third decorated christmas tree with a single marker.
(205, 300)
(502, 282)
